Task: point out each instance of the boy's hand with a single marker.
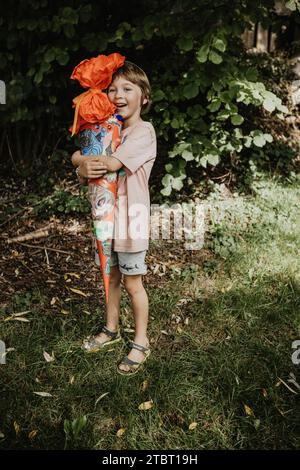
(91, 167)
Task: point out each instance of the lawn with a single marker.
(222, 323)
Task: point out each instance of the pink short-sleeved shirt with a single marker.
(137, 153)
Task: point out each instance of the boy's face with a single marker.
(127, 97)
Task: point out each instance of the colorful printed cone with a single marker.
(103, 140)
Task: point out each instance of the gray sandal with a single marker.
(91, 345)
(134, 366)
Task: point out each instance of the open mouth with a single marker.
(121, 106)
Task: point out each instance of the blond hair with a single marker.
(136, 75)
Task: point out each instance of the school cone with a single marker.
(103, 140)
(99, 131)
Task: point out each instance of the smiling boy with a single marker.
(133, 159)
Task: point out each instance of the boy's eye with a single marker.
(127, 89)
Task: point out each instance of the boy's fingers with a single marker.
(95, 174)
(96, 165)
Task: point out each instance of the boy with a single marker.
(134, 158)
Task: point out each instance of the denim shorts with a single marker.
(129, 263)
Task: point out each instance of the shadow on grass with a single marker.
(221, 371)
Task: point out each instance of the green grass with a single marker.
(221, 342)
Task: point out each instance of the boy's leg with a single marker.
(140, 305)
(113, 306)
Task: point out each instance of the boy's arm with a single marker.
(95, 166)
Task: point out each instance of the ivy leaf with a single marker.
(158, 95)
(268, 137)
(62, 57)
(187, 155)
(190, 91)
(202, 53)
(177, 183)
(175, 123)
(203, 161)
(213, 159)
(214, 57)
(185, 43)
(269, 105)
(49, 55)
(259, 140)
(214, 106)
(219, 44)
(237, 119)
(223, 115)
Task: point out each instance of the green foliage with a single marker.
(74, 428)
(62, 202)
(293, 5)
(204, 88)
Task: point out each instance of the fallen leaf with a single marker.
(17, 319)
(145, 385)
(73, 274)
(47, 356)
(19, 314)
(164, 332)
(264, 392)
(193, 426)
(72, 379)
(32, 434)
(53, 300)
(17, 428)
(1, 435)
(100, 398)
(120, 432)
(65, 312)
(179, 330)
(43, 394)
(147, 405)
(287, 386)
(256, 423)
(248, 410)
(77, 291)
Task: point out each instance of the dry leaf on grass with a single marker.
(120, 432)
(17, 427)
(72, 274)
(43, 394)
(17, 319)
(79, 292)
(145, 385)
(47, 356)
(147, 405)
(100, 398)
(32, 434)
(248, 410)
(65, 312)
(193, 426)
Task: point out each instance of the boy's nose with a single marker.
(119, 94)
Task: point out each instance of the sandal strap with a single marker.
(111, 334)
(129, 362)
(139, 347)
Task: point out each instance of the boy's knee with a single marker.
(115, 276)
(133, 284)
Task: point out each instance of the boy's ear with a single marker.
(145, 101)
